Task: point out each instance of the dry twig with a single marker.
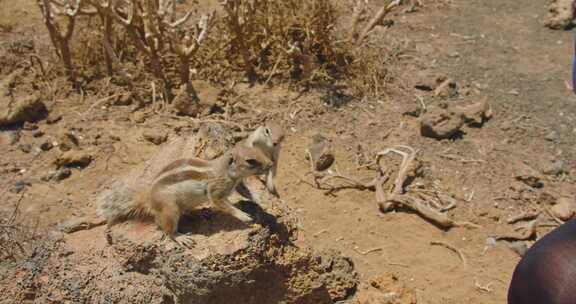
(454, 249)
(529, 232)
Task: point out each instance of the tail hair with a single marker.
(119, 204)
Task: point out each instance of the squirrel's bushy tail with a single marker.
(116, 205)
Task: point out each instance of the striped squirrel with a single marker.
(268, 139)
(186, 184)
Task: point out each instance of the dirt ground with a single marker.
(494, 50)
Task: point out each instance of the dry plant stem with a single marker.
(107, 41)
(148, 44)
(232, 8)
(454, 249)
(186, 48)
(359, 10)
(557, 220)
(523, 217)
(365, 252)
(397, 197)
(529, 233)
(60, 39)
(377, 19)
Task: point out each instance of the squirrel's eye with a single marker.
(267, 131)
(252, 162)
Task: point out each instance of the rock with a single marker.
(441, 123)
(447, 89)
(38, 133)
(68, 141)
(46, 146)
(230, 263)
(20, 110)
(62, 174)
(547, 198)
(57, 175)
(155, 137)
(123, 100)
(446, 121)
(384, 289)
(529, 176)
(475, 114)
(26, 148)
(564, 208)
(53, 119)
(414, 111)
(556, 168)
(186, 106)
(74, 159)
(559, 16)
(553, 136)
(519, 247)
(9, 137)
(427, 81)
(139, 117)
(19, 186)
(28, 126)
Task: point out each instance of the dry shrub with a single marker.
(169, 43)
(16, 237)
(288, 39)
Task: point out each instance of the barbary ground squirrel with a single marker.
(187, 184)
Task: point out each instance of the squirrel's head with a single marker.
(245, 161)
(269, 135)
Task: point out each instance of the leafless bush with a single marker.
(15, 237)
(267, 41)
(291, 38)
(152, 26)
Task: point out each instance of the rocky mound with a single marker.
(228, 263)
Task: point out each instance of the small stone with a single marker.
(514, 92)
(53, 119)
(62, 174)
(519, 247)
(9, 137)
(123, 100)
(559, 15)
(564, 208)
(441, 123)
(155, 137)
(553, 136)
(38, 133)
(26, 148)
(28, 126)
(447, 89)
(139, 117)
(68, 141)
(427, 81)
(20, 110)
(19, 186)
(74, 158)
(46, 146)
(529, 176)
(556, 168)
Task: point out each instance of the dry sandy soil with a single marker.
(495, 50)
